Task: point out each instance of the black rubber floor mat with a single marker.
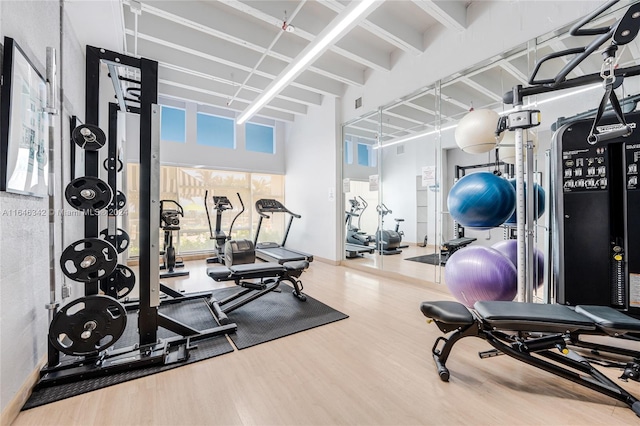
(431, 259)
(193, 313)
(276, 315)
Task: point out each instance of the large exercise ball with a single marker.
(481, 200)
(475, 133)
(507, 148)
(480, 273)
(509, 248)
(540, 201)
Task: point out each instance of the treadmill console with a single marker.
(267, 205)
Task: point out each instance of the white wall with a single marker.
(493, 28)
(24, 246)
(400, 167)
(311, 187)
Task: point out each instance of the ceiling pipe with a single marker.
(285, 25)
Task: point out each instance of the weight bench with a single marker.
(537, 334)
(266, 278)
(451, 246)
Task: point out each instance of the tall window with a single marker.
(366, 156)
(187, 186)
(348, 152)
(213, 130)
(172, 124)
(259, 138)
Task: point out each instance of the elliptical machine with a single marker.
(170, 222)
(387, 242)
(227, 252)
(354, 235)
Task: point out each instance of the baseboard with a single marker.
(11, 411)
(327, 261)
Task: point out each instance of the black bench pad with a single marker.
(458, 242)
(517, 316)
(296, 265)
(447, 312)
(610, 320)
(246, 271)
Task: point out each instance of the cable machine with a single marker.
(596, 250)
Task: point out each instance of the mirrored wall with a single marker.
(401, 161)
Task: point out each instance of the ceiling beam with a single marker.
(202, 17)
(293, 94)
(376, 60)
(209, 99)
(480, 88)
(387, 28)
(515, 72)
(180, 79)
(451, 14)
(163, 50)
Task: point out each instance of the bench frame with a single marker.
(548, 352)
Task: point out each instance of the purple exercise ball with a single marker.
(509, 248)
(480, 273)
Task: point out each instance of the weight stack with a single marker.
(596, 230)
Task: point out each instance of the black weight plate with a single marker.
(88, 194)
(121, 200)
(89, 137)
(88, 260)
(106, 162)
(88, 325)
(120, 241)
(120, 283)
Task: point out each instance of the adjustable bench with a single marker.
(451, 246)
(266, 278)
(536, 334)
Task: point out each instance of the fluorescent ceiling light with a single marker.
(544, 101)
(413, 137)
(329, 35)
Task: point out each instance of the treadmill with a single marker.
(355, 250)
(274, 252)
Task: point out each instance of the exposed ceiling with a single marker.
(224, 53)
(484, 86)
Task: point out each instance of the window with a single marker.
(348, 152)
(187, 186)
(213, 130)
(172, 124)
(366, 155)
(259, 138)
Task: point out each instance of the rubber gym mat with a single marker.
(194, 313)
(276, 315)
(431, 259)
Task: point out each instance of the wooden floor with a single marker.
(373, 368)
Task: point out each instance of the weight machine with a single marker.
(82, 332)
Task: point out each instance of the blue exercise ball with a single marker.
(480, 273)
(509, 248)
(539, 199)
(481, 200)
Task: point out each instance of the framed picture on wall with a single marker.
(24, 129)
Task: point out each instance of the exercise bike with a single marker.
(387, 242)
(170, 222)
